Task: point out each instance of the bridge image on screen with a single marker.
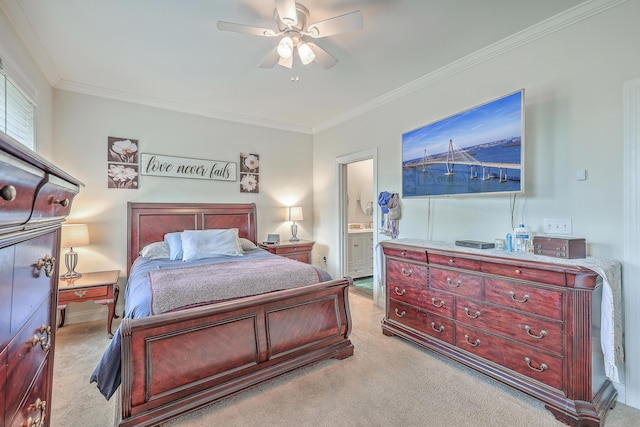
(477, 151)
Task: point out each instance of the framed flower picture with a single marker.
(249, 173)
(122, 163)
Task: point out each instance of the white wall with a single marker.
(82, 125)
(573, 79)
(359, 187)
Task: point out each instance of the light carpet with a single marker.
(388, 381)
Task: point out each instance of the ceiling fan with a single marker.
(293, 28)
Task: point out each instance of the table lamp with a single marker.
(295, 214)
(73, 235)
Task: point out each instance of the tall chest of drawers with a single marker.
(534, 326)
(35, 197)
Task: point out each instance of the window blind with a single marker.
(17, 112)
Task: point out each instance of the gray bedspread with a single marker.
(176, 288)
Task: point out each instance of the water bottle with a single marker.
(509, 243)
(521, 235)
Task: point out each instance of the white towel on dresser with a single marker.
(611, 316)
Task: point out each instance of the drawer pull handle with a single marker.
(80, 293)
(45, 340)
(518, 271)
(39, 405)
(472, 344)
(440, 304)
(400, 313)
(64, 202)
(474, 315)
(398, 292)
(46, 262)
(403, 253)
(8, 193)
(543, 333)
(439, 330)
(406, 273)
(451, 261)
(451, 283)
(543, 367)
(513, 297)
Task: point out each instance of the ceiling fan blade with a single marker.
(286, 62)
(271, 60)
(287, 11)
(339, 24)
(324, 58)
(245, 29)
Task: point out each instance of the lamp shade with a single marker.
(306, 53)
(295, 213)
(285, 47)
(74, 235)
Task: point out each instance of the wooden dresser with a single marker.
(534, 326)
(35, 197)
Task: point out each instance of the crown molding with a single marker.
(14, 14)
(521, 38)
(175, 106)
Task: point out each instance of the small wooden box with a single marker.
(560, 247)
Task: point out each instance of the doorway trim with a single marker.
(631, 265)
(342, 220)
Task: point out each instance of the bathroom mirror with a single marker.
(366, 199)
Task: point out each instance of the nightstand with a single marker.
(300, 250)
(100, 287)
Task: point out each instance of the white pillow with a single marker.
(247, 244)
(155, 250)
(198, 244)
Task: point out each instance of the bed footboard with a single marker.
(176, 362)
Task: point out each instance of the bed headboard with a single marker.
(149, 222)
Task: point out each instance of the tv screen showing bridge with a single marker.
(487, 157)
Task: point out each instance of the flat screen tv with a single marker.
(477, 151)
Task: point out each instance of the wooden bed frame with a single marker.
(176, 362)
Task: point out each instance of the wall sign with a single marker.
(182, 167)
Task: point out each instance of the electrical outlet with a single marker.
(558, 226)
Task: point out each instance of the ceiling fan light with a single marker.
(285, 47)
(306, 53)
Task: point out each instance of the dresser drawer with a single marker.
(18, 184)
(35, 406)
(407, 273)
(69, 295)
(422, 321)
(288, 250)
(436, 302)
(3, 379)
(302, 257)
(544, 302)
(453, 261)
(468, 285)
(6, 283)
(32, 286)
(411, 254)
(544, 334)
(25, 358)
(53, 199)
(526, 273)
(520, 358)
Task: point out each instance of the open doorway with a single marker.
(357, 216)
(360, 209)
